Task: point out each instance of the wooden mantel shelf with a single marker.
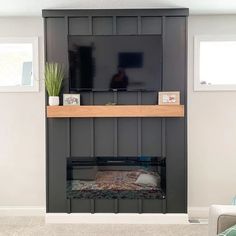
(115, 111)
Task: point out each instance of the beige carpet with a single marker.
(35, 226)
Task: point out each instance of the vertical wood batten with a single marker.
(92, 206)
(116, 205)
(139, 151)
(139, 25)
(46, 120)
(164, 206)
(68, 86)
(92, 151)
(186, 109)
(114, 25)
(90, 18)
(115, 153)
(163, 120)
(140, 206)
(68, 206)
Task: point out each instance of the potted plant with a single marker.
(54, 75)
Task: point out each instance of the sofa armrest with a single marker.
(225, 222)
(214, 217)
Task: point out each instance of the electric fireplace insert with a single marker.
(116, 178)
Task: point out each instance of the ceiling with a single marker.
(34, 7)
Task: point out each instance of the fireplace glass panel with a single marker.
(116, 178)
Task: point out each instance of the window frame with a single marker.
(35, 64)
(204, 38)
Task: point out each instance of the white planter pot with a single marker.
(53, 100)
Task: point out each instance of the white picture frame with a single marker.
(169, 98)
(71, 99)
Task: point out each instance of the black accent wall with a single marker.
(80, 137)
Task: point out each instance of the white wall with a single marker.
(211, 129)
(22, 133)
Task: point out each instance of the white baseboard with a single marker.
(121, 218)
(22, 211)
(198, 212)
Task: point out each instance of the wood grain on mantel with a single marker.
(115, 111)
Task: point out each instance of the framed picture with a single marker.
(169, 98)
(71, 99)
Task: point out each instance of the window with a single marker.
(215, 62)
(19, 64)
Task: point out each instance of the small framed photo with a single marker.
(71, 99)
(169, 98)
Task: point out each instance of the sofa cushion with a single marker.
(229, 232)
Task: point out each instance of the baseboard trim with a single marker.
(198, 212)
(193, 212)
(121, 218)
(22, 211)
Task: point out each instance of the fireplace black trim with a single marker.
(104, 161)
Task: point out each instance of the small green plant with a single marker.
(54, 75)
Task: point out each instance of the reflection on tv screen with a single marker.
(101, 63)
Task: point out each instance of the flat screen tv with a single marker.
(122, 63)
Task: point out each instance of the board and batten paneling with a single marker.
(58, 141)
(148, 23)
(57, 130)
(127, 25)
(174, 78)
(79, 26)
(81, 138)
(115, 136)
(102, 25)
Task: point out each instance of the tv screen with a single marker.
(130, 60)
(127, 63)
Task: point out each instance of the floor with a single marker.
(35, 226)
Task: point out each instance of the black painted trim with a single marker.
(46, 123)
(118, 12)
(186, 115)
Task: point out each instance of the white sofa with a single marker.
(221, 217)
